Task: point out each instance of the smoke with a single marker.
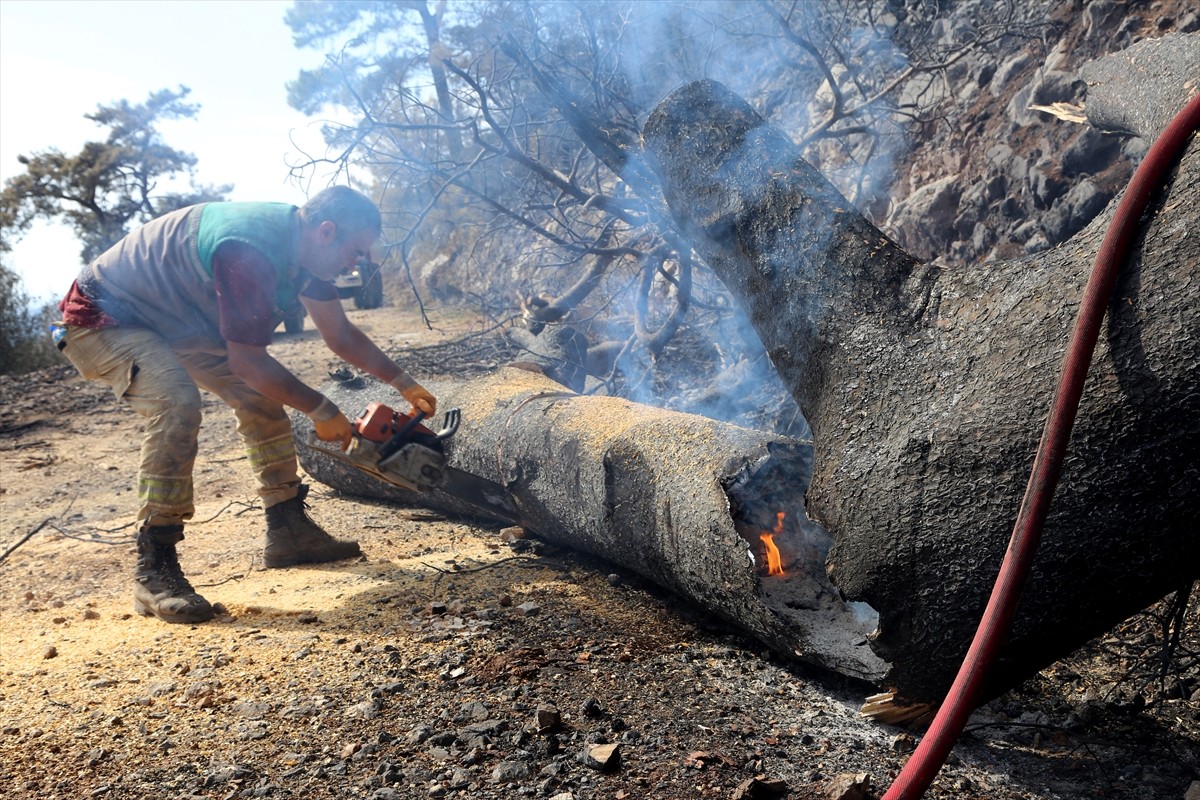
(800, 66)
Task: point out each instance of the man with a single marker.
(191, 300)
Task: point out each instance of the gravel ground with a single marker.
(449, 662)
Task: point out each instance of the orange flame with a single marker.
(774, 559)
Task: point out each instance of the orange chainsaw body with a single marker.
(378, 423)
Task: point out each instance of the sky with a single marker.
(60, 59)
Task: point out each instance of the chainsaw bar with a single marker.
(420, 468)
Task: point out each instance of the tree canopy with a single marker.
(111, 185)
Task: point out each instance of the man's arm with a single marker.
(260, 370)
(254, 365)
(350, 344)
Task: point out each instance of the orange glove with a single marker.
(417, 395)
(331, 424)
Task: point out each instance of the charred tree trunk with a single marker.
(926, 391)
(680, 499)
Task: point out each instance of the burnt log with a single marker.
(680, 499)
(926, 391)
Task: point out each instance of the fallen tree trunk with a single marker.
(680, 499)
(926, 391)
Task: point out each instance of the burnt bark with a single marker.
(927, 389)
(679, 499)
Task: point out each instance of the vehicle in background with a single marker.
(364, 282)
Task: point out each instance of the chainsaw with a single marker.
(398, 449)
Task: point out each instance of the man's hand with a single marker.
(420, 398)
(330, 424)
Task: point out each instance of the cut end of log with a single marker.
(891, 710)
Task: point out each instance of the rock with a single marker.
(1009, 70)
(601, 756)
(480, 734)
(1075, 210)
(509, 772)
(512, 534)
(1101, 17)
(924, 216)
(759, 787)
(50, 652)
(547, 718)
(367, 709)
(1090, 152)
(849, 786)
(419, 734)
(528, 608)
(1045, 182)
(1193, 792)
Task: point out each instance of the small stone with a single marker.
(614, 579)
(367, 709)
(91, 613)
(849, 786)
(758, 787)
(547, 718)
(512, 534)
(509, 772)
(528, 608)
(307, 618)
(50, 652)
(601, 756)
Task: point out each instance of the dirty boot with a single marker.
(293, 538)
(161, 589)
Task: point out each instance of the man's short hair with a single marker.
(351, 211)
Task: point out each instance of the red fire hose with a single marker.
(930, 755)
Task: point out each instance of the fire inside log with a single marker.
(682, 500)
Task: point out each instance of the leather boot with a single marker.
(162, 591)
(293, 538)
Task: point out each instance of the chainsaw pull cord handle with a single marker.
(918, 773)
(397, 441)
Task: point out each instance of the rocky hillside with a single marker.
(997, 178)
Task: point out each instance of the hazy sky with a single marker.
(60, 59)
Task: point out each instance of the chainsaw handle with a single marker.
(397, 441)
(449, 424)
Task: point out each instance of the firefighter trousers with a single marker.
(161, 384)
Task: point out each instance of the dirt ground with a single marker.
(447, 663)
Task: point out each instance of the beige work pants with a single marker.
(160, 383)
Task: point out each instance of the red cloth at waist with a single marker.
(79, 311)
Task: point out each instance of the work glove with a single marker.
(417, 395)
(330, 423)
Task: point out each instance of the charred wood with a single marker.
(680, 499)
(926, 391)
